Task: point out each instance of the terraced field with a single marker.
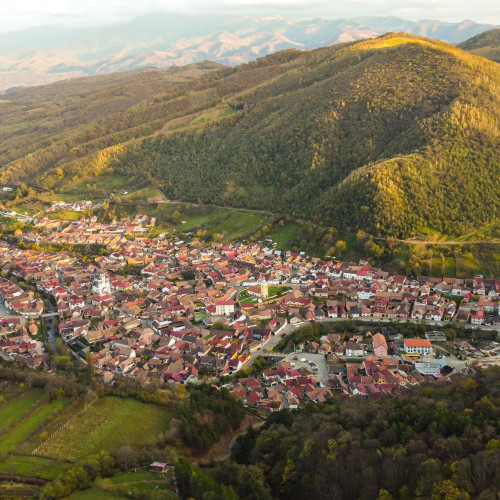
(63, 432)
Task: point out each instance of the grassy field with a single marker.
(17, 409)
(22, 419)
(244, 297)
(194, 221)
(107, 425)
(139, 484)
(43, 468)
(239, 224)
(142, 194)
(20, 432)
(285, 235)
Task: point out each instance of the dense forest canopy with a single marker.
(389, 135)
(439, 442)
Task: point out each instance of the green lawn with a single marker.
(94, 494)
(140, 484)
(142, 194)
(443, 267)
(198, 220)
(239, 224)
(275, 290)
(43, 468)
(285, 235)
(66, 215)
(108, 424)
(14, 411)
(244, 298)
(20, 432)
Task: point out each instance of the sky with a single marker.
(20, 14)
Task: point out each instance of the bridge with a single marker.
(271, 354)
(50, 314)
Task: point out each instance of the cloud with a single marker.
(23, 13)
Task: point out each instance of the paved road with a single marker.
(268, 345)
(287, 329)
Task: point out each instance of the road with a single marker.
(287, 329)
(268, 345)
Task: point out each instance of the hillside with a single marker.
(437, 442)
(390, 135)
(485, 44)
(47, 54)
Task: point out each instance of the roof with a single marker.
(417, 343)
(379, 340)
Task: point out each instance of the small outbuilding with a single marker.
(158, 467)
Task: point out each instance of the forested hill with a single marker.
(438, 442)
(389, 135)
(486, 44)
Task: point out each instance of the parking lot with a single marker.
(318, 359)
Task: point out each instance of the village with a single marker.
(177, 311)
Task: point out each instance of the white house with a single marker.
(224, 307)
(417, 346)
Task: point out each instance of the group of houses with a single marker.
(156, 308)
(381, 370)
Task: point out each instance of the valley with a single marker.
(271, 279)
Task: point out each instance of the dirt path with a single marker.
(443, 243)
(222, 450)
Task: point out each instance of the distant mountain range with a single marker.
(41, 55)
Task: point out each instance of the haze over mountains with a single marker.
(41, 55)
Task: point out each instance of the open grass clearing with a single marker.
(285, 235)
(31, 466)
(142, 194)
(20, 432)
(15, 410)
(94, 494)
(138, 484)
(51, 425)
(205, 218)
(239, 224)
(109, 183)
(106, 425)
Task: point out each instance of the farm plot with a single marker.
(20, 432)
(15, 410)
(106, 425)
(31, 466)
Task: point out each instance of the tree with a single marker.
(176, 217)
(90, 363)
(126, 458)
(384, 495)
(340, 247)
